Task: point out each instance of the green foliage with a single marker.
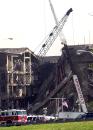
(86, 125)
(91, 65)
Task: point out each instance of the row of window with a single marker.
(11, 113)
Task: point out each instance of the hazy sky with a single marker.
(29, 21)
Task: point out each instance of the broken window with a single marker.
(27, 65)
(9, 63)
(10, 90)
(17, 64)
(27, 54)
(9, 78)
(27, 78)
(18, 79)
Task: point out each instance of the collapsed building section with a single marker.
(59, 84)
(16, 67)
(34, 83)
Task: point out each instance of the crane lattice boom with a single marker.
(54, 34)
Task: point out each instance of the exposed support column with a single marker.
(24, 66)
(30, 68)
(7, 66)
(7, 90)
(12, 72)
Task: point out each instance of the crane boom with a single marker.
(61, 35)
(53, 35)
(53, 11)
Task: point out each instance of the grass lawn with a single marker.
(86, 125)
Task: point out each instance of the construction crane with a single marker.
(53, 35)
(75, 78)
(61, 35)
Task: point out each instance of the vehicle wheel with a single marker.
(9, 123)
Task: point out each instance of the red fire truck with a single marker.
(13, 116)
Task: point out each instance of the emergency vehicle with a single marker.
(13, 116)
(39, 118)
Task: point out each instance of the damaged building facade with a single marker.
(16, 77)
(30, 82)
(59, 84)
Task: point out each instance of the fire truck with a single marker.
(13, 117)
